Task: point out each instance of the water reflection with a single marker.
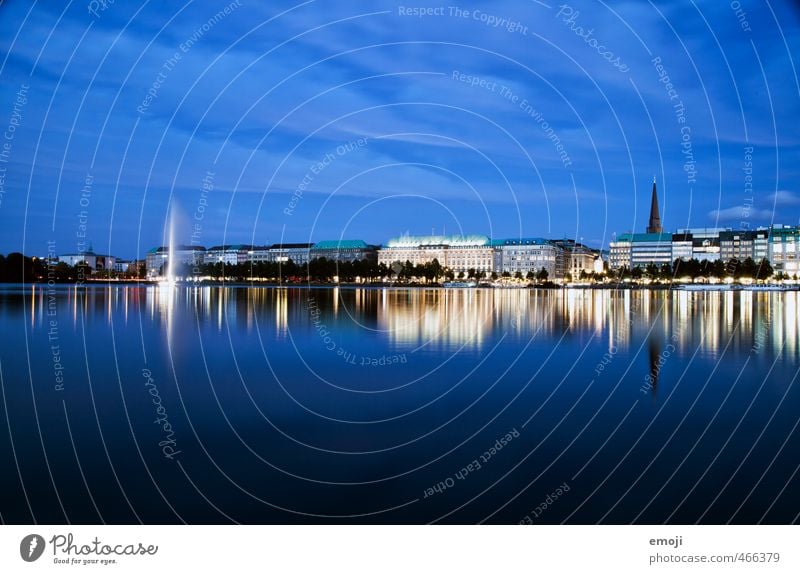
(453, 318)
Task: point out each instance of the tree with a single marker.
(506, 274)
(494, 276)
(472, 273)
(83, 271)
(518, 275)
(718, 270)
(530, 276)
(436, 269)
(764, 270)
(542, 274)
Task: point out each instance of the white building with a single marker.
(458, 253)
(526, 255)
(95, 261)
(227, 254)
(158, 258)
(784, 250)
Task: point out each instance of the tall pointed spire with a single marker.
(654, 225)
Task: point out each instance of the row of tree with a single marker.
(18, 268)
(323, 270)
(694, 269)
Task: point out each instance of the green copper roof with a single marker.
(340, 244)
(644, 237)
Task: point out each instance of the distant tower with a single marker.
(654, 226)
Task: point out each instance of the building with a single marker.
(702, 244)
(528, 255)
(682, 245)
(740, 245)
(651, 249)
(629, 250)
(455, 252)
(95, 261)
(158, 258)
(619, 251)
(577, 258)
(640, 249)
(282, 252)
(122, 266)
(227, 254)
(784, 250)
(343, 250)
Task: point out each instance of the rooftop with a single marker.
(162, 249)
(520, 241)
(341, 244)
(290, 246)
(448, 240)
(644, 237)
(233, 247)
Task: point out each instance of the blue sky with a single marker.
(325, 119)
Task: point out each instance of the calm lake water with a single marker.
(333, 405)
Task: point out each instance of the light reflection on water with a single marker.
(373, 395)
(464, 318)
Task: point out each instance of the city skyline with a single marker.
(409, 128)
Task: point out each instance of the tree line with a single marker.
(19, 268)
(695, 269)
(324, 270)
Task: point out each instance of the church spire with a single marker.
(654, 225)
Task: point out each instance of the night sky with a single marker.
(366, 120)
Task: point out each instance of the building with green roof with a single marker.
(343, 250)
